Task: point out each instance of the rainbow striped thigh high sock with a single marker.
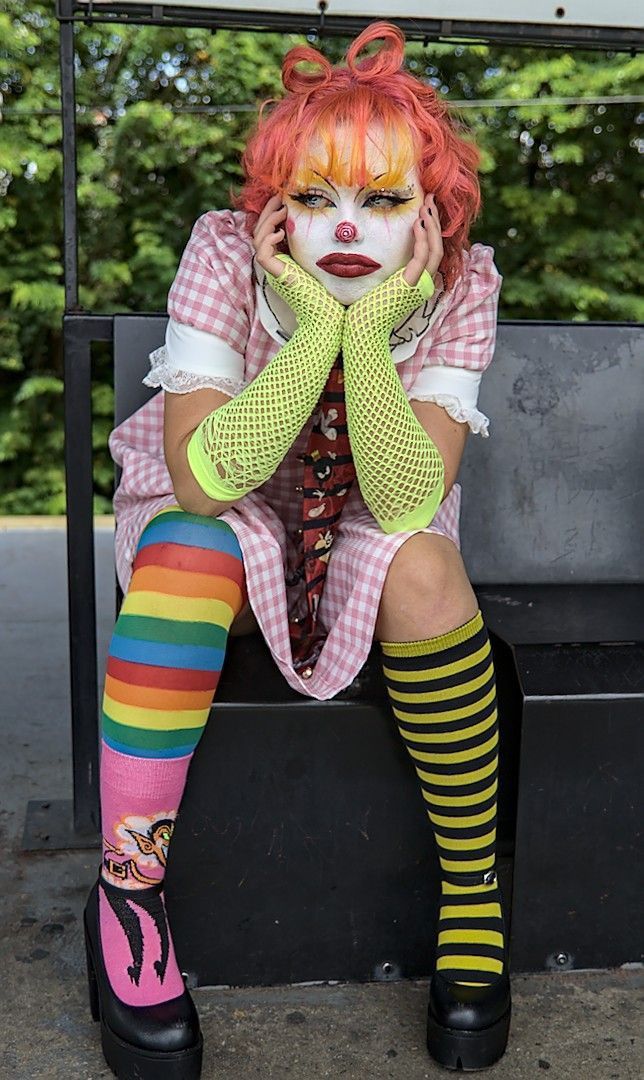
(165, 660)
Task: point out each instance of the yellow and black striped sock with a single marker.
(443, 694)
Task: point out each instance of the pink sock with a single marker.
(140, 798)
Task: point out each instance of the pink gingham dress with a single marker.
(440, 352)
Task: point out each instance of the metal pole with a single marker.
(79, 332)
(78, 472)
(68, 102)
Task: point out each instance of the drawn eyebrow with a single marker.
(326, 180)
(375, 178)
(408, 189)
(371, 181)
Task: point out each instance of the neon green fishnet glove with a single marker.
(239, 446)
(399, 469)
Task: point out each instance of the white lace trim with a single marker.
(162, 374)
(478, 421)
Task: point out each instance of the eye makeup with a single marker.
(393, 199)
(396, 197)
(306, 198)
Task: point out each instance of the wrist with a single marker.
(311, 304)
(424, 287)
(426, 284)
(395, 299)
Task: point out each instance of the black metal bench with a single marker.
(303, 851)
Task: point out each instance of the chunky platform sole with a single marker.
(129, 1062)
(467, 1051)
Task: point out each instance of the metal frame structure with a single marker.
(218, 17)
(75, 823)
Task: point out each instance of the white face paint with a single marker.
(327, 219)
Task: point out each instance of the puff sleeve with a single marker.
(208, 303)
(462, 344)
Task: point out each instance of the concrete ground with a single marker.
(569, 1024)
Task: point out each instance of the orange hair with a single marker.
(418, 126)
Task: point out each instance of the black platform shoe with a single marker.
(468, 1026)
(151, 1042)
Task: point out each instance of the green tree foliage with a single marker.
(163, 115)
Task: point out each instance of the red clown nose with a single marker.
(346, 232)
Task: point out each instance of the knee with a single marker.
(175, 541)
(177, 526)
(427, 566)
(426, 584)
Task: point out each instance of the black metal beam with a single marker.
(79, 331)
(627, 39)
(68, 103)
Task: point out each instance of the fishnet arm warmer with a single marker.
(239, 446)
(399, 469)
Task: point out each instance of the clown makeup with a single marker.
(373, 223)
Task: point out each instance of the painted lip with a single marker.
(344, 265)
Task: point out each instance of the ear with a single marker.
(144, 844)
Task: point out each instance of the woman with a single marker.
(297, 475)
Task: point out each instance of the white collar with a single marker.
(278, 319)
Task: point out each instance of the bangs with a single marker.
(323, 154)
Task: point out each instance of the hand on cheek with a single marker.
(428, 243)
(268, 236)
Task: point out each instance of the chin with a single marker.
(348, 290)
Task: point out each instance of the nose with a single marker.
(346, 232)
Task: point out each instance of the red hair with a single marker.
(419, 129)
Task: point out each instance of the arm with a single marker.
(399, 468)
(182, 414)
(239, 445)
(448, 435)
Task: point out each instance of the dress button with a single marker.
(307, 672)
(300, 532)
(299, 489)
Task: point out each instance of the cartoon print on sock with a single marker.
(142, 845)
(121, 902)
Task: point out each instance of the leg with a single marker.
(427, 591)
(163, 667)
(244, 623)
(164, 664)
(440, 678)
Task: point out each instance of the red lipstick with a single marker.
(345, 265)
